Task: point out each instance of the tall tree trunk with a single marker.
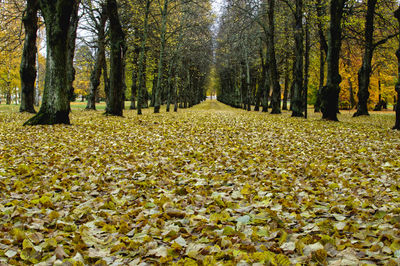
(307, 66)
(323, 50)
(286, 89)
(330, 92)
(55, 106)
(71, 48)
(297, 99)
(115, 103)
(274, 75)
(365, 71)
(317, 106)
(261, 84)
(99, 63)
(176, 91)
(106, 80)
(169, 84)
(397, 87)
(134, 87)
(142, 56)
(157, 96)
(28, 61)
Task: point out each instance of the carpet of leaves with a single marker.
(208, 185)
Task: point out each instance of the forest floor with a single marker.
(207, 185)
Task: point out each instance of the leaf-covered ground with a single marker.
(209, 185)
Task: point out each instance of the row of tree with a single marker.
(308, 47)
(125, 40)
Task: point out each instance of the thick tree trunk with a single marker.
(115, 103)
(55, 106)
(330, 92)
(297, 99)
(28, 61)
(274, 75)
(100, 60)
(397, 87)
(365, 71)
(142, 59)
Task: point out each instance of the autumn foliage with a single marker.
(206, 185)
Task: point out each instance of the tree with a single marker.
(71, 48)
(157, 92)
(274, 75)
(55, 106)
(142, 58)
(99, 19)
(397, 124)
(365, 71)
(297, 100)
(115, 102)
(28, 61)
(330, 92)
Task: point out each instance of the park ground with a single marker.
(207, 185)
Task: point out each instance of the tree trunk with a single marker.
(306, 67)
(176, 92)
(323, 49)
(134, 87)
(169, 85)
(55, 106)
(106, 80)
(297, 99)
(352, 100)
(157, 96)
(71, 48)
(115, 103)
(397, 87)
(100, 60)
(330, 92)
(142, 56)
(274, 75)
(28, 61)
(365, 71)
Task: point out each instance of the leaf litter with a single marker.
(207, 185)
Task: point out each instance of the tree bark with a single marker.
(306, 66)
(142, 57)
(365, 71)
(28, 61)
(71, 48)
(157, 96)
(134, 87)
(330, 92)
(55, 106)
(397, 87)
(100, 60)
(115, 103)
(323, 49)
(297, 99)
(274, 75)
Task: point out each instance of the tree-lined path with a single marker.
(210, 184)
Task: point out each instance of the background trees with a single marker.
(316, 67)
(265, 53)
